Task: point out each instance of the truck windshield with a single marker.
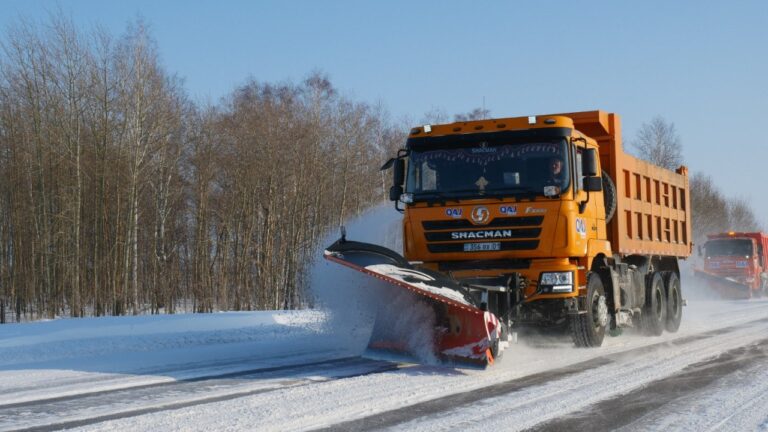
(729, 247)
(483, 169)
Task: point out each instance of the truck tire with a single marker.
(674, 302)
(588, 329)
(654, 316)
(495, 352)
(763, 285)
(609, 196)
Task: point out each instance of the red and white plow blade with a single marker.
(463, 332)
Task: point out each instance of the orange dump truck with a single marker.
(538, 221)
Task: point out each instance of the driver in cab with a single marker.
(555, 177)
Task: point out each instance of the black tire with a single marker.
(674, 302)
(496, 350)
(609, 196)
(495, 353)
(654, 317)
(588, 329)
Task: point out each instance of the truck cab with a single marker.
(481, 206)
(738, 257)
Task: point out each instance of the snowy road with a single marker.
(294, 371)
(91, 407)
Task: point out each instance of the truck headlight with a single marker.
(556, 282)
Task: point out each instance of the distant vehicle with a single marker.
(532, 221)
(735, 264)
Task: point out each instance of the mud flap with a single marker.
(464, 333)
(725, 287)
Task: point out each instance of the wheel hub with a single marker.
(601, 314)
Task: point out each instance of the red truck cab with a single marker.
(739, 258)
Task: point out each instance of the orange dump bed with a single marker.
(653, 215)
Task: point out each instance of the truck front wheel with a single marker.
(764, 284)
(588, 329)
(654, 316)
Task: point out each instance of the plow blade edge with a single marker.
(725, 287)
(463, 333)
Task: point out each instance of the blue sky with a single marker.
(700, 64)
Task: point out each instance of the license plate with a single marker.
(478, 247)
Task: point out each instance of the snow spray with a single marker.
(361, 308)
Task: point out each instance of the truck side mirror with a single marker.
(593, 184)
(395, 192)
(589, 163)
(398, 176)
(398, 173)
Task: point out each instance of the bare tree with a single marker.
(714, 213)
(741, 217)
(659, 143)
(435, 115)
(70, 60)
(709, 208)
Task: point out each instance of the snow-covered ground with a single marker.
(307, 370)
(291, 371)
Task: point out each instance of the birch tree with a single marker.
(659, 143)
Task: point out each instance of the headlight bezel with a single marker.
(556, 282)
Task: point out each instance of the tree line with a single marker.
(119, 195)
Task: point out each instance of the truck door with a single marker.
(594, 210)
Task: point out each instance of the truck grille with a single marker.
(731, 272)
(501, 232)
(506, 231)
(495, 223)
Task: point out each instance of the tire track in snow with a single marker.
(126, 381)
(614, 413)
(79, 409)
(443, 404)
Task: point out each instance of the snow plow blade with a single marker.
(725, 287)
(464, 333)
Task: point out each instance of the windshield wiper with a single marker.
(468, 194)
(518, 192)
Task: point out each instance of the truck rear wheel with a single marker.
(674, 302)
(588, 329)
(654, 315)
